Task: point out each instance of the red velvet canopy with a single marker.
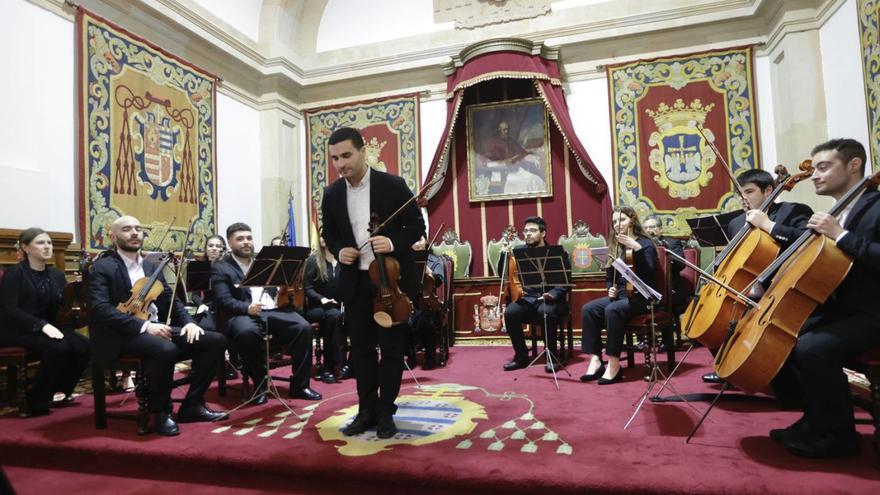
(577, 196)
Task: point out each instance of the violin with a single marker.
(803, 277)
(750, 252)
(144, 291)
(74, 306)
(429, 294)
(390, 306)
(510, 270)
(292, 296)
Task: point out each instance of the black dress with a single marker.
(29, 299)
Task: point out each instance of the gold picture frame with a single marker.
(508, 151)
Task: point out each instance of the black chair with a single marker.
(869, 363)
(126, 364)
(564, 333)
(16, 361)
(638, 328)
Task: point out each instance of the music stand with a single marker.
(653, 297)
(543, 267)
(274, 266)
(711, 231)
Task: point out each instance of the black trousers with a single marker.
(813, 373)
(521, 312)
(378, 380)
(424, 327)
(62, 362)
(331, 322)
(160, 355)
(289, 328)
(612, 314)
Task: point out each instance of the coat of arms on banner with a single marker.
(675, 122)
(147, 140)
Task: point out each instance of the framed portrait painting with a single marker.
(508, 151)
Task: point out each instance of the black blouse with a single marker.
(29, 298)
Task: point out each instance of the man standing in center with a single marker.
(346, 209)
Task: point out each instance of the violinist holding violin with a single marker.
(116, 331)
(535, 304)
(847, 324)
(30, 297)
(347, 206)
(248, 312)
(627, 238)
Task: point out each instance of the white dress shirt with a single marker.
(357, 200)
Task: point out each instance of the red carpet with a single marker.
(472, 428)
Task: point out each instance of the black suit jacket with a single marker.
(387, 194)
(108, 286)
(315, 288)
(858, 291)
(229, 299)
(791, 222)
(18, 299)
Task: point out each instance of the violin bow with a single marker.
(179, 269)
(727, 168)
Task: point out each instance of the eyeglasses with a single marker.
(531, 230)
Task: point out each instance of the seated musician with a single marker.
(535, 305)
(30, 297)
(680, 289)
(115, 332)
(784, 221)
(203, 300)
(424, 322)
(321, 286)
(847, 324)
(613, 311)
(248, 311)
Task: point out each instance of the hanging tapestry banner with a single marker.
(147, 138)
(390, 127)
(663, 164)
(869, 34)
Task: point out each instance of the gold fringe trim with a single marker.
(565, 138)
(444, 156)
(499, 75)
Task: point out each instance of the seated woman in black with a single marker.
(320, 279)
(612, 312)
(30, 296)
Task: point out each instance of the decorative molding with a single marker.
(520, 45)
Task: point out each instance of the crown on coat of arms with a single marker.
(373, 151)
(680, 114)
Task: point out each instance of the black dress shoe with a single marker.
(515, 364)
(198, 414)
(328, 377)
(307, 394)
(824, 446)
(346, 372)
(231, 374)
(363, 422)
(589, 377)
(797, 428)
(66, 401)
(261, 399)
(712, 378)
(165, 426)
(556, 366)
(386, 427)
(614, 379)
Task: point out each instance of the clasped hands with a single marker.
(379, 243)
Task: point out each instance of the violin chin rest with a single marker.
(383, 319)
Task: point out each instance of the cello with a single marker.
(750, 252)
(808, 272)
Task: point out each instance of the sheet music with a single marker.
(638, 284)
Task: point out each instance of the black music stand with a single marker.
(711, 231)
(274, 266)
(544, 267)
(198, 275)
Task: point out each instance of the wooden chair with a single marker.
(869, 363)
(16, 362)
(640, 326)
(124, 363)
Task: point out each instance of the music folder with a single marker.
(711, 231)
(644, 289)
(275, 266)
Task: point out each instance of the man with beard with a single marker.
(249, 311)
(535, 305)
(114, 333)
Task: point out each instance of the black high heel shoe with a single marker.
(616, 378)
(589, 377)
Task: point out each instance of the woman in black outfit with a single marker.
(30, 296)
(612, 312)
(320, 279)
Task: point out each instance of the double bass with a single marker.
(807, 273)
(749, 253)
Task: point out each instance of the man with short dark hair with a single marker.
(114, 332)
(347, 207)
(849, 321)
(535, 305)
(248, 312)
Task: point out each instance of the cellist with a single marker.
(535, 305)
(849, 321)
(784, 221)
